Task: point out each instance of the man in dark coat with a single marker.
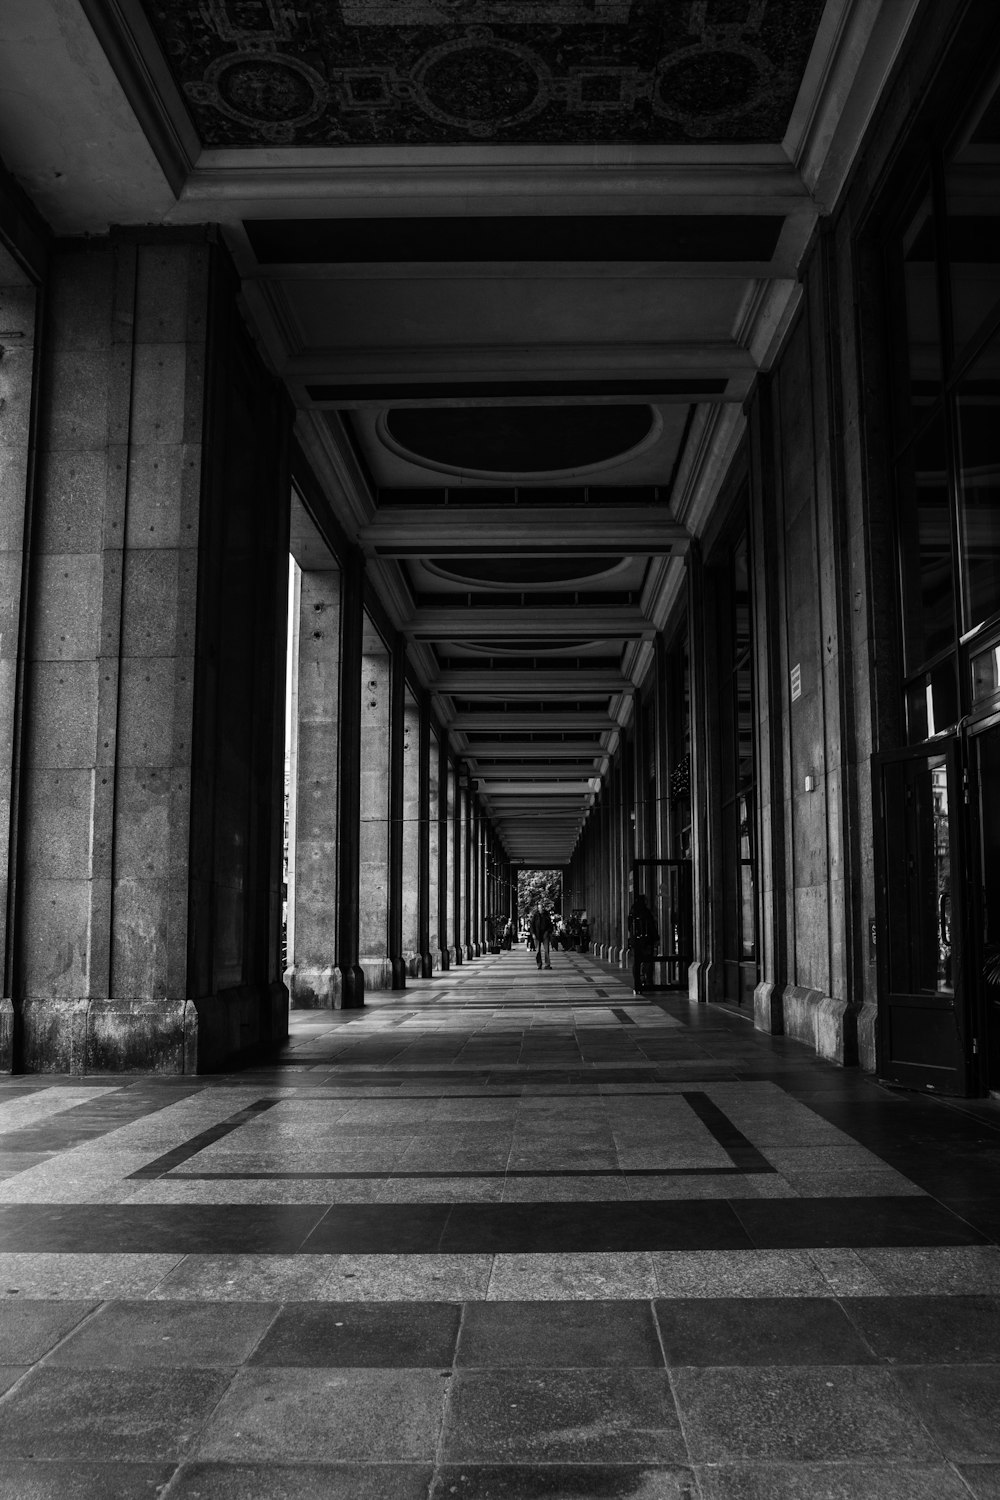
(541, 931)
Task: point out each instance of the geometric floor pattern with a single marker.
(507, 1234)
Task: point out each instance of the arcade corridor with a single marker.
(506, 1237)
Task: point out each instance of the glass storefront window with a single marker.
(979, 485)
(973, 196)
(922, 314)
(985, 667)
(932, 702)
(925, 541)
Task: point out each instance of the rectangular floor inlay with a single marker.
(506, 1235)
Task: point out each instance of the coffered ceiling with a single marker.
(518, 263)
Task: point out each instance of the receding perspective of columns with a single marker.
(149, 759)
(373, 857)
(312, 977)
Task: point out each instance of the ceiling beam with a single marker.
(528, 750)
(578, 683)
(477, 624)
(502, 531)
(592, 723)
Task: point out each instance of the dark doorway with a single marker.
(925, 1039)
(667, 884)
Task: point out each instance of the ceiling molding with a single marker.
(134, 53)
(855, 48)
(715, 436)
(336, 469)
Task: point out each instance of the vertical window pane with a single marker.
(979, 485)
(925, 547)
(744, 728)
(973, 186)
(741, 600)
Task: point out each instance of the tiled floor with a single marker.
(509, 1235)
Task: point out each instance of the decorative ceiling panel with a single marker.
(425, 72)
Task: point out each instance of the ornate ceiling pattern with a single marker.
(424, 72)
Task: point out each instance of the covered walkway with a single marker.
(504, 1234)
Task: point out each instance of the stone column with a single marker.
(352, 634)
(436, 850)
(451, 878)
(151, 780)
(17, 360)
(425, 865)
(412, 948)
(465, 864)
(374, 861)
(397, 733)
(313, 978)
(479, 937)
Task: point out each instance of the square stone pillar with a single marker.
(352, 638)
(449, 782)
(373, 861)
(312, 977)
(17, 359)
(149, 899)
(436, 848)
(409, 835)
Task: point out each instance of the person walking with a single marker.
(643, 936)
(541, 931)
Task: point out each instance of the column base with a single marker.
(768, 1014)
(377, 971)
(210, 1034)
(867, 1029)
(352, 987)
(703, 980)
(426, 968)
(454, 956)
(313, 988)
(8, 1022)
(468, 952)
(400, 972)
(827, 1025)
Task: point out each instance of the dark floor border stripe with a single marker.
(584, 1172)
(741, 1152)
(180, 1154)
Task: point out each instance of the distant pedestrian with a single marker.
(643, 936)
(541, 932)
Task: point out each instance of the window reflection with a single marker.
(979, 485)
(973, 189)
(923, 321)
(925, 546)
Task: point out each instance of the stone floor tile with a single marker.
(563, 1482)
(737, 1273)
(836, 1481)
(959, 1405)
(983, 1480)
(561, 1416)
(305, 1481)
(30, 1329)
(82, 1481)
(405, 1278)
(70, 1276)
(439, 1190)
(246, 1278)
(402, 1335)
(82, 1414)
(759, 1331)
(833, 1412)
(552, 1188)
(166, 1335)
(877, 1184)
(944, 1269)
(324, 1415)
(929, 1330)
(559, 1335)
(624, 1274)
(846, 1274)
(328, 1190)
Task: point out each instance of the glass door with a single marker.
(667, 883)
(925, 1037)
(984, 754)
